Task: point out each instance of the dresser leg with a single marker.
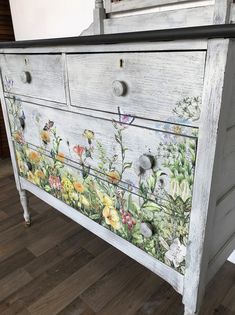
(188, 312)
(24, 203)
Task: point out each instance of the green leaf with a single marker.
(151, 206)
(47, 188)
(117, 139)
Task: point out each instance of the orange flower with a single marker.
(60, 157)
(34, 156)
(39, 174)
(18, 137)
(45, 136)
(113, 177)
(79, 187)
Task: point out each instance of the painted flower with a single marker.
(89, 134)
(39, 174)
(84, 201)
(79, 150)
(55, 182)
(67, 184)
(22, 166)
(176, 253)
(60, 157)
(111, 217)
(181, 190)
(30, 177)
(34, 156)
(45, 136)
(79, 187)
(177, 129)
(18, 137)
(113, 177)
(124, 118)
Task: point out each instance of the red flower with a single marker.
(79, 150)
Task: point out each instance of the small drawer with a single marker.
(39, 76)
(156, 85)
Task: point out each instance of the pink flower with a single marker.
(55, 182)
(79, 150)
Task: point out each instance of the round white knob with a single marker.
(146, 162)
(26, 77)
(119, 88)
(146, 229)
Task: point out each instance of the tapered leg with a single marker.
(188, 312)
(24, 203)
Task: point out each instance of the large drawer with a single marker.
(140, 190)
(151, 85)
(39, 76)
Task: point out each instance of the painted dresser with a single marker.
(132, 135)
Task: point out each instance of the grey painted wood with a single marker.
(160, 20)
(99, 16)
(126, 5)
(215, 104)
(222, 11)
(45, 75)
(153, 81)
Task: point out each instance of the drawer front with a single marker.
(39, 76)
(149, 85)
(141, 190)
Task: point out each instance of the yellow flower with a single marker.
(18, 156)
(45, 136)
(73, 196)
(39, 174)
(34, 156)
(60, 157)
(177, 129)
(84, 201)
(111, 217)
(31, 177)
(113, 177)
(89, 134)
(79, 187)
(22, 166)
(106, 201)
(67, 185)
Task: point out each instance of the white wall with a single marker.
(34, 19)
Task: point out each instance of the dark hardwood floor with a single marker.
(57, 267)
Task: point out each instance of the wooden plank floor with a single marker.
(57, 267)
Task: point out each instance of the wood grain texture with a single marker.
(152, 79)
(123, 284)
(160, 20)
(126, 5)
(215, 102)
(46, 75)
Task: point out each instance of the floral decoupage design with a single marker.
(152, 213)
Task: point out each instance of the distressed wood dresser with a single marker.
(132, 135)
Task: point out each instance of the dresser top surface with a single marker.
(201, 32)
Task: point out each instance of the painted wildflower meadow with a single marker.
(150, 209)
